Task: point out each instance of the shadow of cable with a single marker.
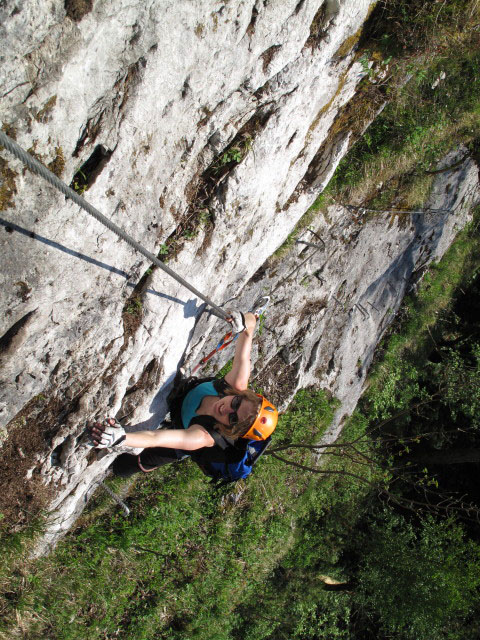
(190, 306)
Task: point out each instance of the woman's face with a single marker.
(232, 409)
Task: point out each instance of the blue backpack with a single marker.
(233, 467)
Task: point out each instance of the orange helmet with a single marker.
(265, 422)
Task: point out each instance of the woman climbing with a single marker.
(220, 418)
(216, 415)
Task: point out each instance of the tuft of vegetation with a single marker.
(163, 251)
(79, 182)
(78, 9)
(234, 154)
(44, 114)
(8, 187)
(57, 165)
(134, 306)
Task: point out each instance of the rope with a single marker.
(258, 308)
(50, 177)
(224, 342)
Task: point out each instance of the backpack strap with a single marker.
(220, 386)
(208, 423)
(175, 398)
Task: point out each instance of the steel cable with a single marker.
(51, 178)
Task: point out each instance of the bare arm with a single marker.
(239, 374)
(191, 439)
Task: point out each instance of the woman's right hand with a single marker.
(250, 322)
(237, 320)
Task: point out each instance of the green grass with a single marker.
(417, 128)
(210, 551)
(293, 602)
(225, 369)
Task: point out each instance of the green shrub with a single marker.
(418, 580)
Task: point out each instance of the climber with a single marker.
(219, 419)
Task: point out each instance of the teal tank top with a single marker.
(193, 400)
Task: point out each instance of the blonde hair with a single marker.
(240, 429)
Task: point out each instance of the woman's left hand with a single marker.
(106, 434)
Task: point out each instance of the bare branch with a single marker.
(326, 472)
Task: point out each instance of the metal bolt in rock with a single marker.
(311, 244)
(362, 310)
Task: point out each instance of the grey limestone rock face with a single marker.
(207, 128)
(334, 297)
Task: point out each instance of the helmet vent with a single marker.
(269, 409)
(257, 433)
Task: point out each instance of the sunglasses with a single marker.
(233, 417)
